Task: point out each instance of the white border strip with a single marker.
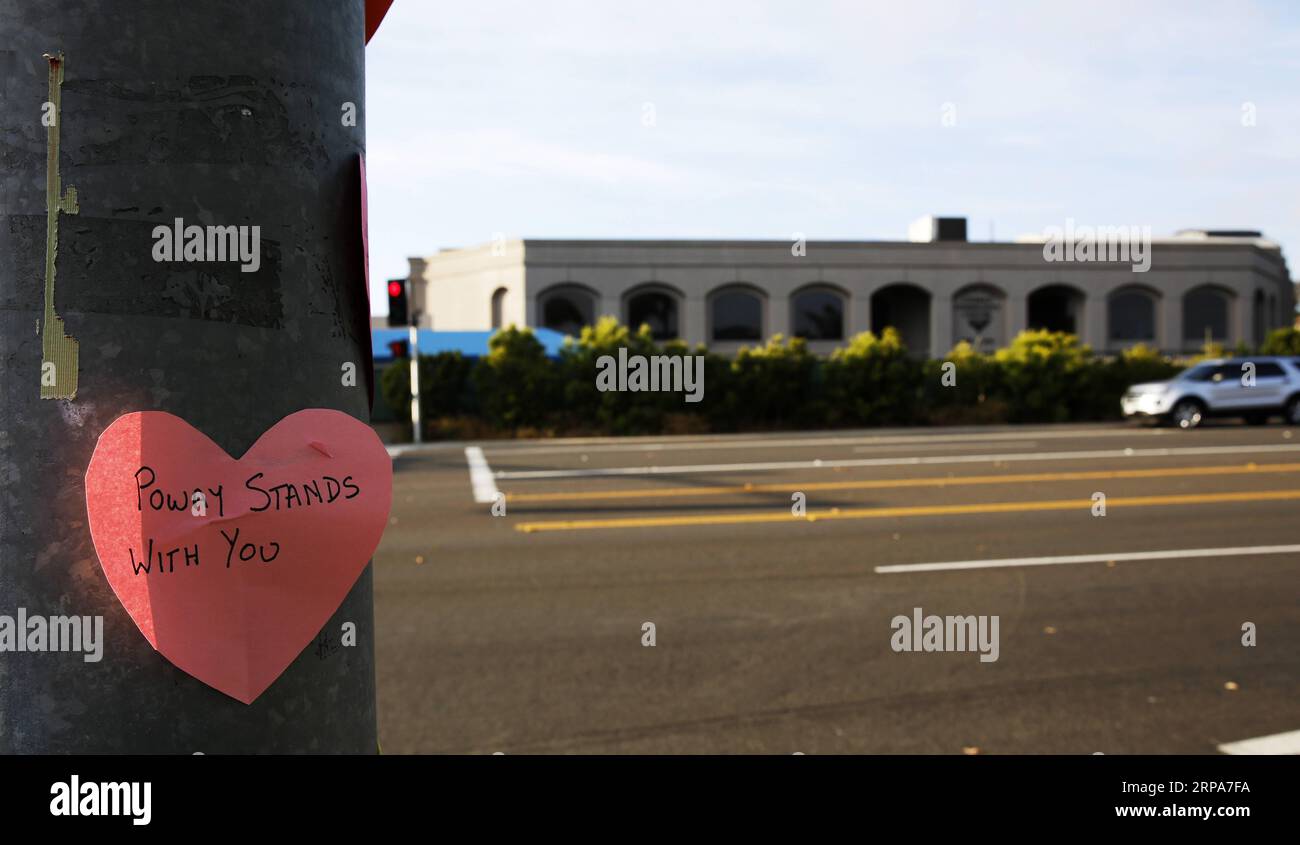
(1011, 457)
(1170, 554)
(1284, 743)
(480, 476)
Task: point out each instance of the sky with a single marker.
(835, 120)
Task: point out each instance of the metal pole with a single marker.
(417, 433)
(219, 114)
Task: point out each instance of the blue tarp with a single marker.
(470, 344)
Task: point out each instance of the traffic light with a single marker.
(399, 312)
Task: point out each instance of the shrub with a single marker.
(1211, 349)
(769, 386)
(1039, 375)
(872, 381)
(1282, 342)
(446, 388)
(516, 383)
(615, 412)
(965, 392)
(1143, 363)
(1103, 383)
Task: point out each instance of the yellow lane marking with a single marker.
(919, 510)
(892, 483)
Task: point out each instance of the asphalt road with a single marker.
(523, 633)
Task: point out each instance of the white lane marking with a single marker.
(861, 442)
(1012, 457)
(1168, 554)
(926, 447)
(480, 475)
(1284, 743)
(397, 450)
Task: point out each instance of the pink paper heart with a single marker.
(305, 507)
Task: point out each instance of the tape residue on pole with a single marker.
(58, 349)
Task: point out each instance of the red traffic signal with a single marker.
(399, 312)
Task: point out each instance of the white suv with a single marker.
(1255, 388)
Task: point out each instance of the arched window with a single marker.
(498, 306)
(817, 313)
(906, 308)
(567, 308)
(1056, 308)
(1131, 315)
(1205, 314)
(655, 307)
(735, 313)
(979, 317)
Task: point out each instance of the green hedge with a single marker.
(870, 381)
(581, 407)
(445, 385)
(1282, 342)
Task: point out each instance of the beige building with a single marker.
(936, 289)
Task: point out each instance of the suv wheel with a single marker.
(1292, 412)
(1188, 413)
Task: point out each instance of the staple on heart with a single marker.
(161, 500)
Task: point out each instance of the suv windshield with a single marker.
(1201, 372)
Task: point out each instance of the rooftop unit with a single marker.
(930, 229)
